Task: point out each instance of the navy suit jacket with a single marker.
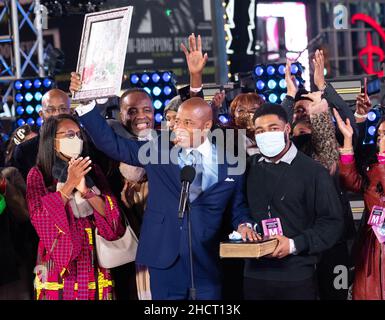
(163, 236)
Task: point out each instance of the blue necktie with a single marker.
(194, 158)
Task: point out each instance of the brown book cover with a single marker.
(249, 249)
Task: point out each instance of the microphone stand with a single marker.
(192, 290)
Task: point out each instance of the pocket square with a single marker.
(230, 180)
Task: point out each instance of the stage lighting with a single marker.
(28, 96)
(262, 96)
(157, 104)
(27, 84)
(167, 90)
(282, 83)
(272, 84)
(20, 110)
(155, 78)
(282, 96)
(270, 70)
(39, 121)
(37, 83)
(166, 76)
(372, 130)
(281, 69)
(156, 91)
(145, 78)
(273, 98)
(148, 90)
(260, 85)
(134, 79)
(158, 117)
(224, 119)
(29, 109)
(372, 116)
(18, 85)
(258, 71)
(19, 97)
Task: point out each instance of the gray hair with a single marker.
(173, 105)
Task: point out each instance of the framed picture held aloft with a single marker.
(102, 53)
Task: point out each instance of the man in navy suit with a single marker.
(163, 243)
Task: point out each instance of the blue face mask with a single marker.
(271, 144)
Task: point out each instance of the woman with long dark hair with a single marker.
(368, 178)
(68, 198)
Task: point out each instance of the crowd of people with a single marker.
(82, 176)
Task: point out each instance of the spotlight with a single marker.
(27, 84)
(282, 83)
(155, 77)
(281, 69)
(30, 121)
(37, 83)
(38, 108)
(372, 130)
(38, 96)
(19, 97)
(157, 104)
(156, 91)
(20, 122)
(167, 90)
(273, 98)
(29, 109)
(158, 117)
(18, 85)
(258, 71)
(166, 76)
(272, 84)
(28, 96)
(145, 78)
(294, 69)
(270, 70)
(223, 119)
(282, 96)
(47, 83)
(39, 121)
(372, 116)
(134, 79)
(260, 85)
(147, 89)
(20, 110)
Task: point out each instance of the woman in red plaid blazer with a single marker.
(68, 197)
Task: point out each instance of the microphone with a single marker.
(187, 176)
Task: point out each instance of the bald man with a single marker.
(54, 102)
(163, 244)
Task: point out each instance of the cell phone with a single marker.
(365, 88)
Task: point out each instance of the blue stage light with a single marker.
(134, 79)
(30, 122)
(20, 122)
(37, 83)
(282, 83)
(223, 119)
(19, 110)
(19, 97)
(297, 82)
(262, 96)
(145, 78)
(29, 109)
(38, 108)
(167, 90)
(47, 83)
(272, 84)
(27, 84)
(294, 69)
(39, 121)
(156, 91)
(273, 98)
(147, 89)
(281, 69)
(28, 96)
(372, 130)
(157, 104)
(158, 117)
(166, 76)
(18, 85)
(167, 102)
(155, 77)
(258, 71)
(270, 70)
(38, 96)
(260, 85)
(282, 96)
(372, 116)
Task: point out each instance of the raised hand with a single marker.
(218, 99)
(77, 169)
(363, 104)
(195, 58)
(318, 105)
(345, 128)
(319, 67)
(76, 82)
(290, 80)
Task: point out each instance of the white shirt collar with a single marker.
(288, 157)
(204, 149)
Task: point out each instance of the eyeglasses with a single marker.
(71, 134)
(58, 110)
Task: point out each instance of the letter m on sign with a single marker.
(273, 232)
(375, 220)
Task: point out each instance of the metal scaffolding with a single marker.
(19, 17)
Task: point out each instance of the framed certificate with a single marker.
(102, 53)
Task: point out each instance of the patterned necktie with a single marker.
(196, 161)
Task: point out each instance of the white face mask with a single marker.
(271, 143)
(71, 148)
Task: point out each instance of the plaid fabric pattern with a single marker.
(66, 247)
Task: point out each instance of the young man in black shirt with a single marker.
(293, 198)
